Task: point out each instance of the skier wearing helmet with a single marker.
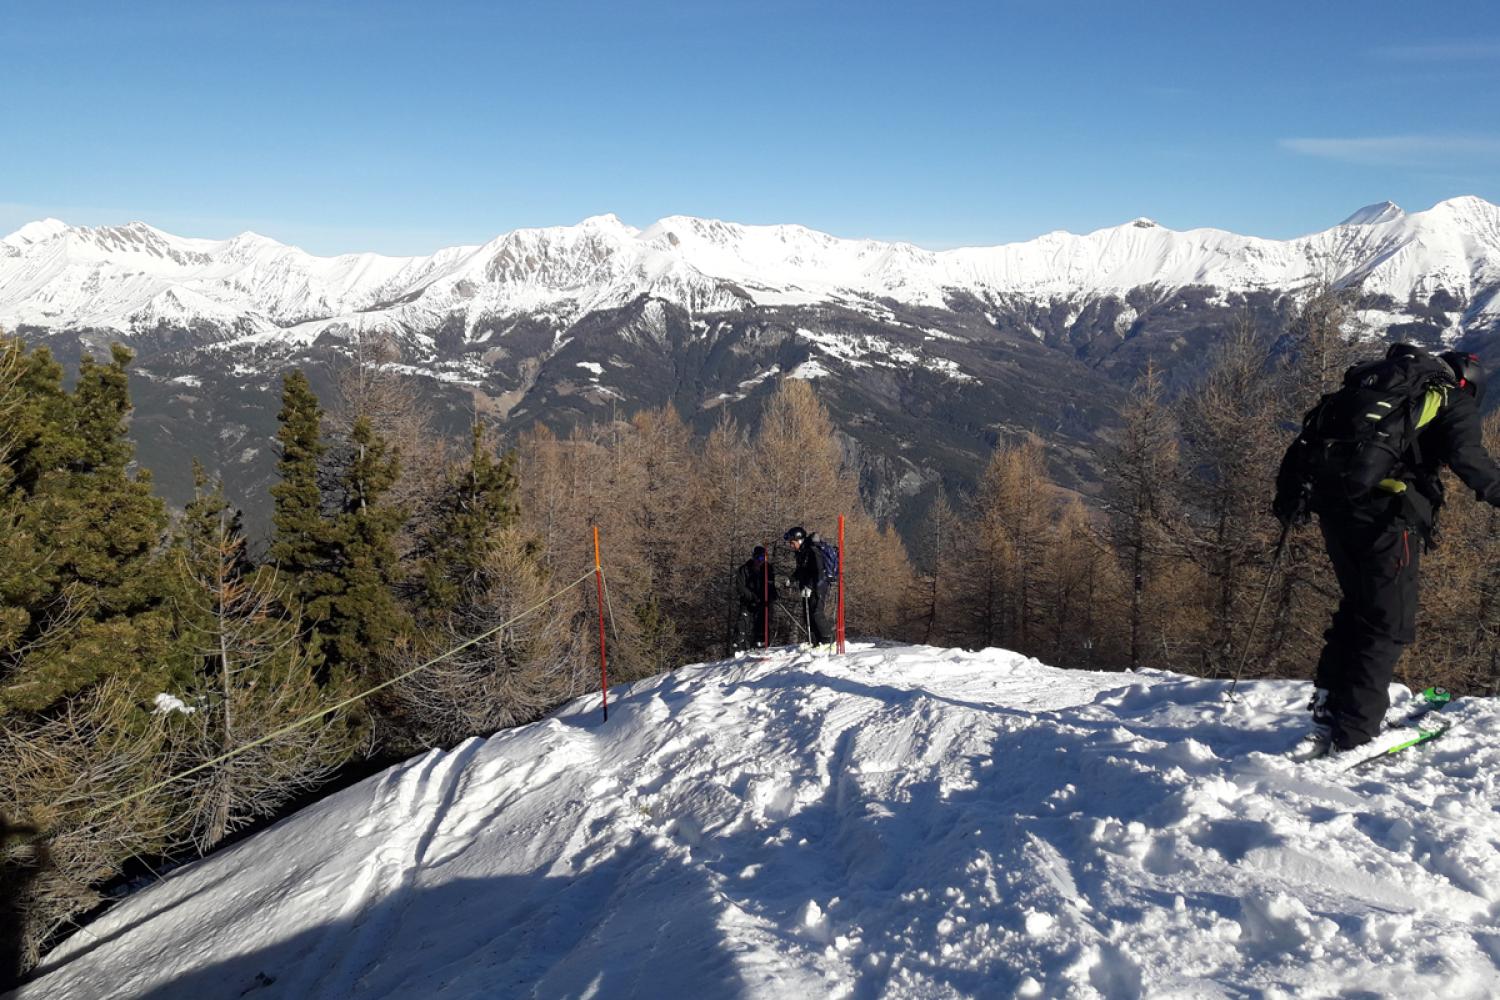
(810, 580)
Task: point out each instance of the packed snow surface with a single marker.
(900, 822)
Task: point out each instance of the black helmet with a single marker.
(759, 555)
(794, 534)
(1468, 370)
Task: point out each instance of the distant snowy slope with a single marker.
(901, 822)
(137, 279)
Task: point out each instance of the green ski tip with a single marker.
(1422, 737)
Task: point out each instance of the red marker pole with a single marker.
(765, 598)
(603, 660)
(841, 584)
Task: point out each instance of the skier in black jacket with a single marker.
(1375, 547)
(808, 581)
(753, 591)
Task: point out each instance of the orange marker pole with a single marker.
(841, 583)
(603, 660)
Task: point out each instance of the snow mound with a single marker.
(900, 822)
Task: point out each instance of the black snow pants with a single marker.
(750, 626)
(818, 617)
(1376, 566)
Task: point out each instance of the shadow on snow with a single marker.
(649, 922)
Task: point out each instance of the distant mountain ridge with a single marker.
(925, 359)
(135, 278)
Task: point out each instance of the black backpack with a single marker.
(1366, 430)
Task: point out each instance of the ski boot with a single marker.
(1317, 743)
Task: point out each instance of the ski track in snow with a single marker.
(900, 822)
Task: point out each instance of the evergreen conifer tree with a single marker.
(298, 546)
(206, 519)
(337, 552)
(353, 602)
(85, 595)
(86, 632)
(478, 503)
(20, 560)
(476, 576)
(254, 676)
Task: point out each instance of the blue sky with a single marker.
(405, 127)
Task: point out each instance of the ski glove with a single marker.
(806, 593)
(1291, 510)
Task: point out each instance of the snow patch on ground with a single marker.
(746, 385)
(899, 822)
(464, 372)
(933, 333)
(755, 380)
(813, 369)
(166, 704)
(950, 369)
(864, 350)
(848, 349)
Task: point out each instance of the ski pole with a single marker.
(791, 617)
(731, 622)
(1286, 530)
(807, 612)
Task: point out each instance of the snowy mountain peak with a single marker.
(1370, 215)
(36, 232)
(1468, 211)
(55, 276)
(252, 238)
(607, 221)
(1466, 203)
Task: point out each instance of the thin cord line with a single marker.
(292, 726)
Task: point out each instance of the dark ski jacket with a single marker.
(1452, 437)
(751, 587)
(809, 569)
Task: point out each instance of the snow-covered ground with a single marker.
(900, 822)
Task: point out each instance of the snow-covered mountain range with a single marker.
(925, 358)
(135, 278)
(901, 823)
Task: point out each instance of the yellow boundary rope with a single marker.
(292, 726)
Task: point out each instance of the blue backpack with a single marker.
(830, 554)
